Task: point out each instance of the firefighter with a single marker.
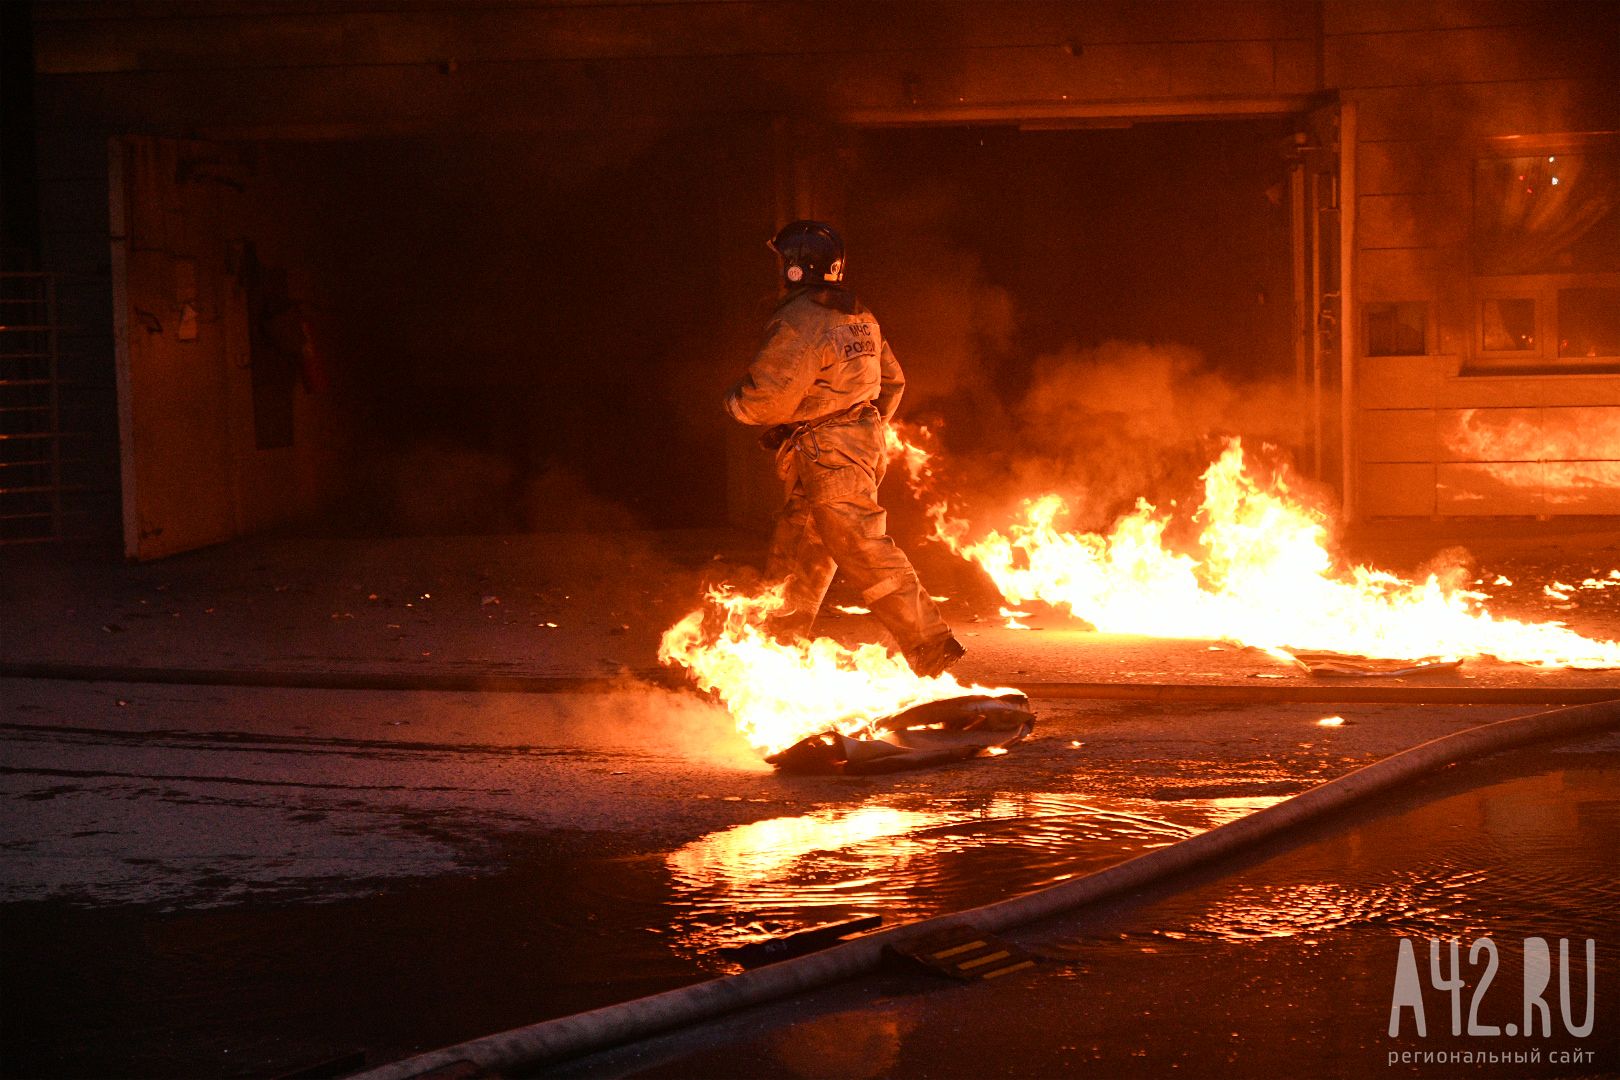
(824, 385)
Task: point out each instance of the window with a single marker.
(1507, 324)
(1588, 322)
(1553, 213)
(1398, 329)
(1545, 245)
(1547, 323)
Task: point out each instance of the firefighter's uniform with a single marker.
(827, 376)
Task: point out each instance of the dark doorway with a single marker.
(487, 333)
(531, 324)
(997, 254)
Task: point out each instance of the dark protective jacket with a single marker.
(823, 353)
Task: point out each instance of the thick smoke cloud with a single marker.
(1070, 316)
(1107, 425)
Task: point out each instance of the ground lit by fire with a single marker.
(1261, 573)
(782, 691)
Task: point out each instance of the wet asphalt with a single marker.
(216, 880)
(221, 881)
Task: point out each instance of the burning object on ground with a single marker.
(781, 692)
(933, 733)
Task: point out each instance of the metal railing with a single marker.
(56, 439)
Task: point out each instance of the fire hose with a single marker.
(552, 1041)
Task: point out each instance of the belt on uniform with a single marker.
(854, 412)
(812, 449)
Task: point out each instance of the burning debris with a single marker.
(1012, 618)
(1336, 665)
(782, 692)
(933, 733)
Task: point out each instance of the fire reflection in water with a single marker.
(1498, 858)
(766, 878)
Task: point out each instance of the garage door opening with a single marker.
(1103, 300)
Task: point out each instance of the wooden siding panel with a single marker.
(1219, 68)
(1382, 16)
(1467, 55)
(1491, 490)
(1429, 166)
(1416, 273)
(570, 95)
(1457, 113)
(1415, 220)
(1400, 382)
(1398, 435)
(126, 38)
(1586, 487)
(1397, 490)
(1581, 390)
(1104, 72)
(1492, 391)
(1297, 70)
(1490, 435)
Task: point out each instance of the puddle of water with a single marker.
(1280, 964)
(264, 989)
(1514, 851)
(766, 878)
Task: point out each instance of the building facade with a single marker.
(332, 241)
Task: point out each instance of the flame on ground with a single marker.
(1261, 575)
(780, 692)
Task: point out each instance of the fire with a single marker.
(778, 692)
(1012, 618)
(1261, 575)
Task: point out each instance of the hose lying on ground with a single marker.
(583, 1033)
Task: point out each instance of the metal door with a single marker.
(174, 384)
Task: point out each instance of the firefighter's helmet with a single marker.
(812, 253)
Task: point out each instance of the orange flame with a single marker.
(780, 692)
(1262, 576)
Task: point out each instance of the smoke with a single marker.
(1125, 420)
(653, 720)
(1107, 425)
(434, 488)
(953, 329)
(1068, 319)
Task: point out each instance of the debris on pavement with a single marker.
(934, 733)
(758, 953)
(1345, 666)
